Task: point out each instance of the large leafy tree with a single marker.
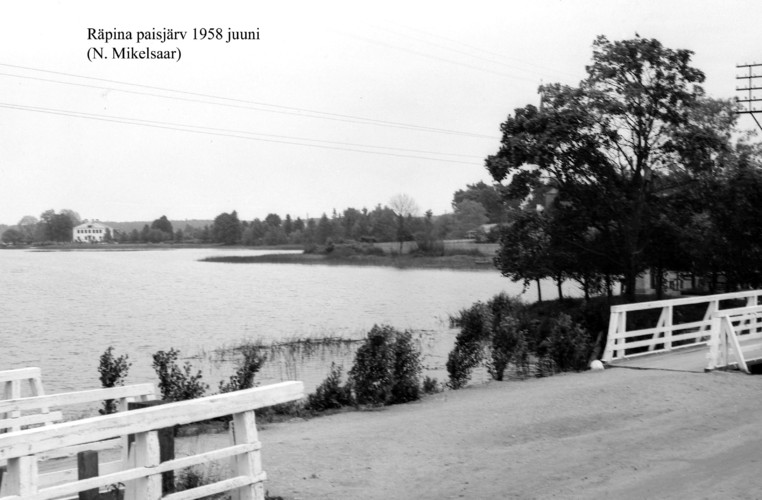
(227, 228)
(164, 225)
(607, 144)
(488, 196)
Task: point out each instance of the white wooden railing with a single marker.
(667, 334)
(19, 412)
(140, 471)
(13, 382)
(732, 331)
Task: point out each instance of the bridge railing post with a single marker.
(714, 361)
(248, 464)
(21, 476)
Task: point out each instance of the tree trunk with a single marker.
(539, 291)
(659, 281)
(559, 281)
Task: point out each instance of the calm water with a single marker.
(61, 310)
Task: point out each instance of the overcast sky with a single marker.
(336, 105)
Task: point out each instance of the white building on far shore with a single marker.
(91, 232)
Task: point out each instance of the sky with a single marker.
(335, 105)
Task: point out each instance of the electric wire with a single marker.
(484, 51)
(438, 58)
(490, 60)
(226, 133)
(239, 103)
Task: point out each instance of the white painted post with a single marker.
(670, 311)
(710, 310)
(608, 352)
(21, 477)
(145, 451)
(248, 464)
(659, 330)
(714, 343)
(37, 390)
(13, 391)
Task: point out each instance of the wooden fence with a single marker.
(665, 330)
(140, 469)
(734, 336)
(19, 412)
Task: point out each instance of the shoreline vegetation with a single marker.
(463, 262)
(469, 259)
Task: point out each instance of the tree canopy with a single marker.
(614, 149)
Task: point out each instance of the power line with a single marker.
(490, 60)
(438, 58)
(485, 51)
(232, 133)
(240, 103)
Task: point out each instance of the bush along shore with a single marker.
(512, 339)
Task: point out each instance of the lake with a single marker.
(60, 310)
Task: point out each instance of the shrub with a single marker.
(283, 411)
(177, 384)
(558, 334)
(568, 344)
(243, 378)
(508, 344)
(330, 394)
(387, 368)
(430, 385)
(468, 350)
(197, 476)
(112, 371)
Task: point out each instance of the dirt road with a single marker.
(615, 434)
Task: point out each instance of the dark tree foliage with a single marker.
(488, 196)
(162, 224)
(606, 145)
(227, 229)
(59, 228)
(387, 368)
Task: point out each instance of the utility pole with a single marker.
(752, 84)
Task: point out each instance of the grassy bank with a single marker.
(465, 262)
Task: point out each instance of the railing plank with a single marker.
(43, 439)
(73, 398)
(667, 332)
(239, 482)
(112, 472)
(37, 418)
(637, 306)
(31, 372)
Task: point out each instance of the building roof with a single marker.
(92, 225)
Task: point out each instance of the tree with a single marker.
(469, 215)
(56, 227)
(76, 220)
(524, 253)
(12, 236)
(227, 229)
(273, 220)
(605, 143)
(163, 225)
(324, 230)
(488, 196)
(404, 208)
(27, 226)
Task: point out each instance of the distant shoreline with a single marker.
(468, 262)
(462, 262)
